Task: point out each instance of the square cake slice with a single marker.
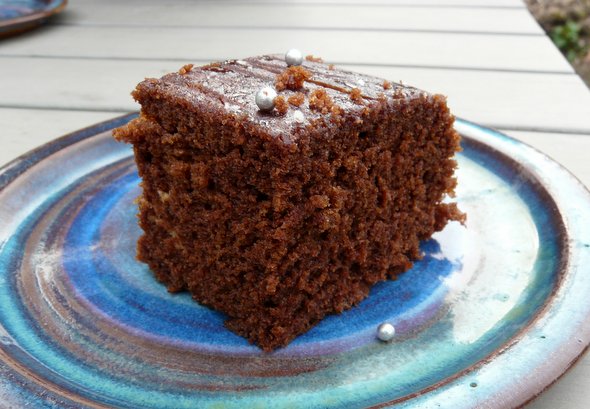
(280, 217)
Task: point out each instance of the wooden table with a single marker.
(490, 57)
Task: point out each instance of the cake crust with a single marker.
(279, 218)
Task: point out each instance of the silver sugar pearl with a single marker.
(385, 332)
(265, 98)
(294, 57)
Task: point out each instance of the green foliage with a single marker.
(568, 39)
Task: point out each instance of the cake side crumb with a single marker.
(356, 96)
(292, 78)
(185, 69)
(311, 58)
(281, 105)
(297, 99)
(319, 100)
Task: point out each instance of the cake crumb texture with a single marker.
(279, 220)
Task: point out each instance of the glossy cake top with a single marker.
(307, 93)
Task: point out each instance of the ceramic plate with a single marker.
(21, 15)
(492, 315)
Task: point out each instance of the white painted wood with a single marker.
(487, 51)
(26, 129)
(500, 99)
(571, 151)
(301, 16)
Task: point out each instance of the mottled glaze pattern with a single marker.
(83, 324)
(20, 15)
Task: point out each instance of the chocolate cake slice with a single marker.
(279, 217)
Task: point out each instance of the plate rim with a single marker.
(26, 22)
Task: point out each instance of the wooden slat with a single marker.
(302, 16)
(571, 151)
(26, 129)
(501, 99)
(504, 52)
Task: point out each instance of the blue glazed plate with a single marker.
(20, 15)
(494, 313)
